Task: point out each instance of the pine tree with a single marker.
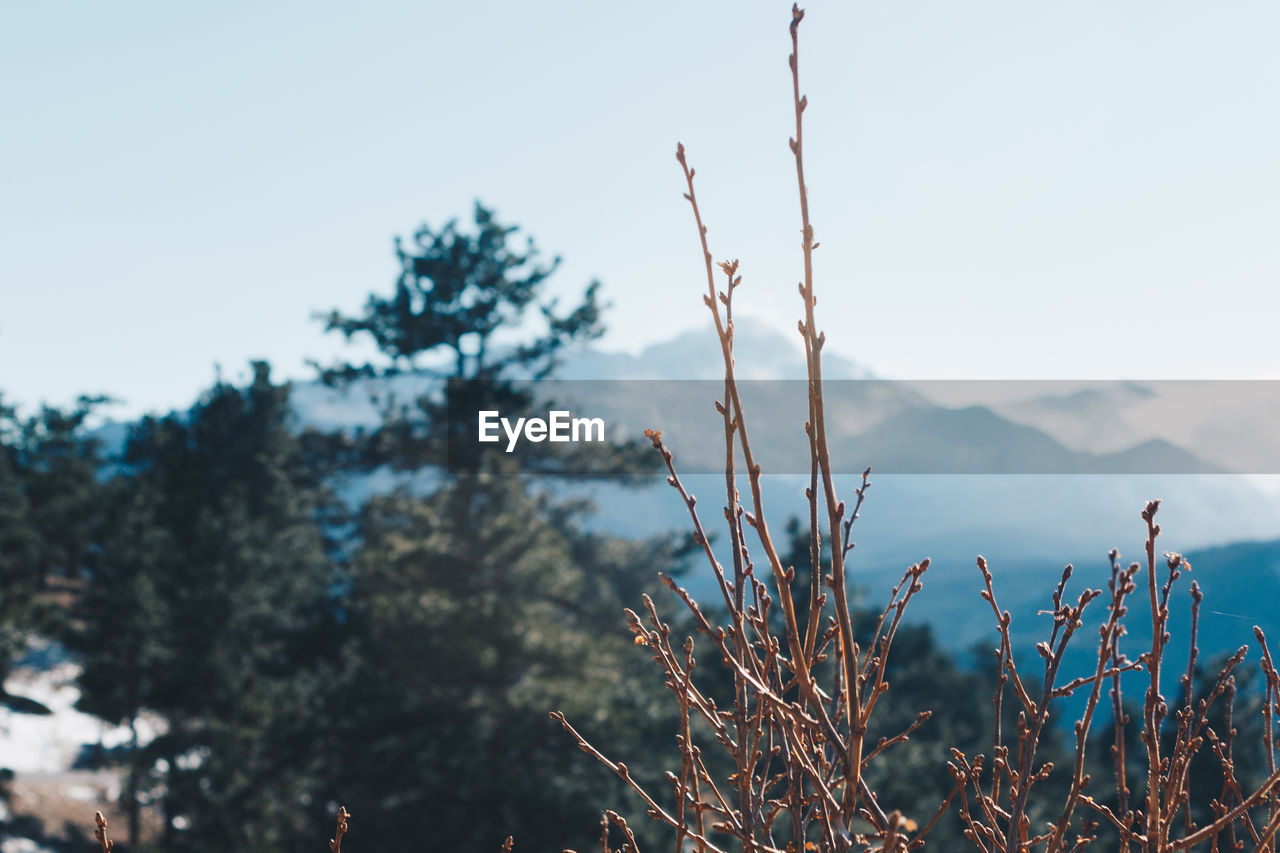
(457, 321)
(455, 292)
(212, 606)
(50, 516)
(121, 624)
(461, 639)
(476, 605)
(59, 464)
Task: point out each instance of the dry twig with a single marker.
(335, 843)
(100, 833)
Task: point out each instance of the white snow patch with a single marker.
(22, 845)
(49, 743)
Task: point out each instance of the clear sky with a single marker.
(1001, 189)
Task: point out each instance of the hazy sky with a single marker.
(1001, 189)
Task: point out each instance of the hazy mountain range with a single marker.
(1020, 480)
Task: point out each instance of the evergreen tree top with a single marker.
(456, 289)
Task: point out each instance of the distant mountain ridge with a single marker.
(760, 353)
(1027, 524)
(877, 423)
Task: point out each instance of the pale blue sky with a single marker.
(1001, 189)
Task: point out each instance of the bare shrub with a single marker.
(804, 692)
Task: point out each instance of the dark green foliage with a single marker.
(455, 291)
(474, 608)
(466, 626)
(403, 663)
(50, 515)
(456, 325)
(59, 466)
(212, 606)
(18, 546)
(122, 621)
